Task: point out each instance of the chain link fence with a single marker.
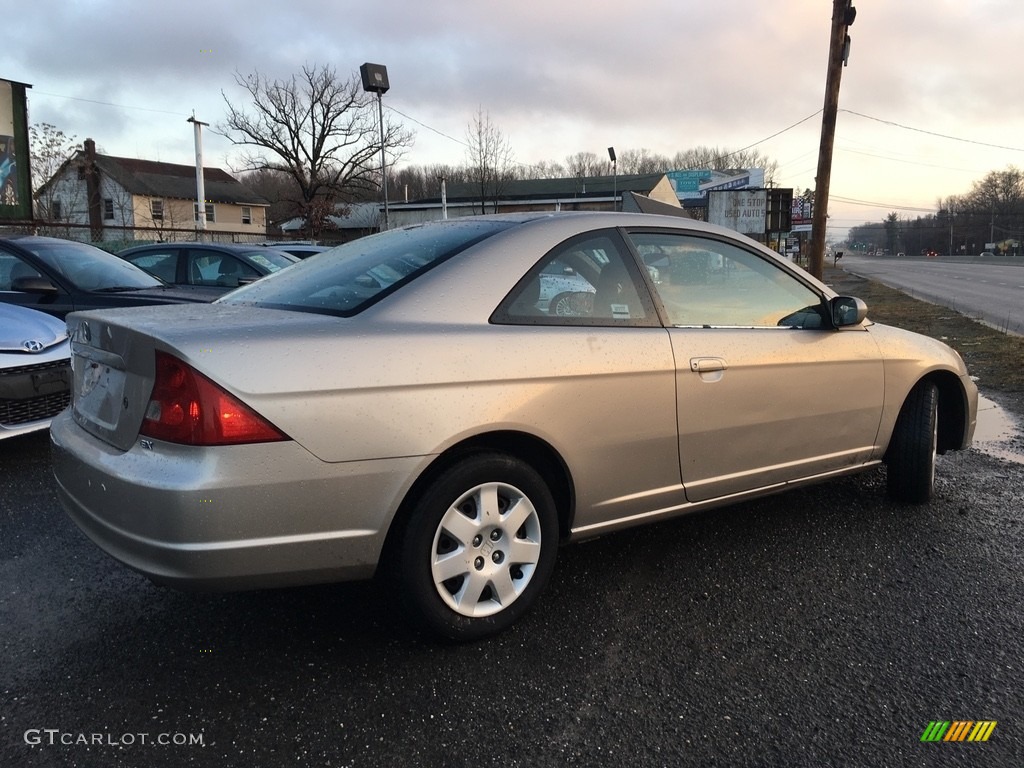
(116, 238)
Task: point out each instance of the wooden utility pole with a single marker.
(842, 17)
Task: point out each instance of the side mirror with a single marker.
(847, 310)
(35, 284)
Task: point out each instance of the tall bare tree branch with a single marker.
(318, 129)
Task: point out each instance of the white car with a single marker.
(564, 292)
(35, 369)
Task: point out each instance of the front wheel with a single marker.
(911, 454)
(479, 547)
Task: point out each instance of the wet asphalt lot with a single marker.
(826, 626)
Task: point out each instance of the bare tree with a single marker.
(545, 170)
(50, 148)
(719, 159)
(587, 165)
(320, 130)
(277, 188)
(491, 164)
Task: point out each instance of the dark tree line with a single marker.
(990, 214)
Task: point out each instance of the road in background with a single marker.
(993, 293)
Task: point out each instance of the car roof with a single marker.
(29, 239)
(230, 247)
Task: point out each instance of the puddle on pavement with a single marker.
(995, 432)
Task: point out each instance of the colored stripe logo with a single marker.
(958, 730)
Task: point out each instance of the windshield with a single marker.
(87, 267)
(270, 260)
(347, 279)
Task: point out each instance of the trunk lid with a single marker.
(113, 355)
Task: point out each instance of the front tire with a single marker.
(911, 454)
(478, 548)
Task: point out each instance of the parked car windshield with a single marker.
(87, 267)
(270, 260)
(347, 279)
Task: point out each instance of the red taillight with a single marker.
(186, 407)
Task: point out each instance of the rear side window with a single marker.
(588, 280)
(345, 280)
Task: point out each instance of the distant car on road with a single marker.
(59, 276)
(35, 369)
(987, 255)
(212, 265)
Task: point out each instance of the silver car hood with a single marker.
(28, 330)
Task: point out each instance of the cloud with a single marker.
(556, 77)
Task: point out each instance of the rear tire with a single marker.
(478, 548)
(911, 454)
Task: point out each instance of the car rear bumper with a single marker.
(228, 517)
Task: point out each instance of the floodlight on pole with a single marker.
(375, 80)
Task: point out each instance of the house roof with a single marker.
(543, 189)
(169, 180)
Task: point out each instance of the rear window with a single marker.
(345, 280)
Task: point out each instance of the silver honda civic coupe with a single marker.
(405, 405)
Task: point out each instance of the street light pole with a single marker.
(375, 80)
(383, 163)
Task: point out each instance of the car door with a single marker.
(768, 391)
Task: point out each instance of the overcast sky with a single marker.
(563, 76)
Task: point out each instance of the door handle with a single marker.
(707, 364)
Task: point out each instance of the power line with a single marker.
(768, 138)
(108, 103)
(908, 162)
(931, 133)
(871, 204)
(428, 127)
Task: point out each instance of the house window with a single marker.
(209, 212)
(156, 209)
(55, 210)
(108, 209)
(246, 214)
